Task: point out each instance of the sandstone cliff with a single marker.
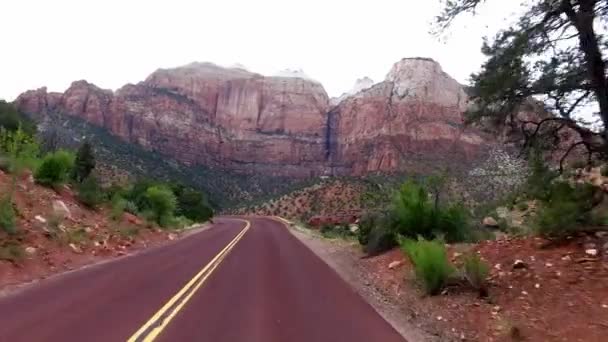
(282, 125)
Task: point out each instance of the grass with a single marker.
(430, 263)
(476, 271)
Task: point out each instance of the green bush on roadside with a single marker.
(565, 209)
(55, 168)
(430, 262)
(161, 203)
(476, 271)
(90, 192)
(8, 222)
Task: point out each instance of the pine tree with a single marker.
(556, 55)
(85, 162)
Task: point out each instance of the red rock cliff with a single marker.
(235, 119)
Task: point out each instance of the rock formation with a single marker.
(281, 125)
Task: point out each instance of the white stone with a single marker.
(591, 252)
(40, 219)
(61, 209)
(395, 264)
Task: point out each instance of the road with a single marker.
(241, 280)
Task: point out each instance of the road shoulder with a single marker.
(342, 257)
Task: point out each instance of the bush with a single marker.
(21, 150)
(430, 263)
(192, 204)
(366, 224)
(476, 272)
(11, 252)
(119, 206)
(565, 209)
(7, 215)
(84, 162)
(522, 206)
(415, 215)
(90, 192)
(381, 239)
(162, 203)
(55, 168)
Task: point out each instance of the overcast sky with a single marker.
(113, 42)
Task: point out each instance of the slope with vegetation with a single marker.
(55, 213)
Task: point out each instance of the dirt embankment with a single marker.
(537, 292)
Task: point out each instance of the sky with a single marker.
(114, 42)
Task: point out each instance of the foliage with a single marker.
(21, 150)
(119, 205)
(430, 263)
(84, 162)
(368, 222)
(553, 53)
(540, 177)
(7, 215)
(55, 168)
(565, 209)
(162, 204)
(381, 238)
(476, 271)
(12, 120)
(90, 192)
(415, 215)
(522, 206)
(192, 204)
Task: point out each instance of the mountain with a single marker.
(236, 120)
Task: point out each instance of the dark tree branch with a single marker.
(570, 149)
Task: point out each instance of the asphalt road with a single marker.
(241, 280)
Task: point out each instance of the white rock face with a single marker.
(360, 85)
(422, 79)
(297, 73)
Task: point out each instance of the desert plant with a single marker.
(430, 262)
(90, 192)
(381, 238)
(7, 215)
(415, 215)
(162, 204)
(565, 209)
(84, 162)
(475, 271)
(20, 149)
(119, 206)
(522, 206)
(55, 168)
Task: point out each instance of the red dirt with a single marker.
(93, 234)
(562, 294)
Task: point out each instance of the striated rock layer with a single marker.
(282, 125)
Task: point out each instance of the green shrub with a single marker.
(191, 203)
(522, 206)
(131, 207)
(381, 239)
(20, 149)
(119, 206)
(8, 222)
(84, 162)
(366, 224)
(565, 209)
(604, 170)
(476, 271)
(162, 203)
(415, 215)
(430, 262)
(90, 192)
(55, 168)
(540, 177)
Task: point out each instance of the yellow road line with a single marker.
(147, 332)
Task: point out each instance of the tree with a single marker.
(555, 53)
(12, 120)
(162, 203)
(84, 163)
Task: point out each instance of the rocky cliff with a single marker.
(282, 125)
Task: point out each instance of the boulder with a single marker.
(395, 264)
(490, 222)
(61, 210)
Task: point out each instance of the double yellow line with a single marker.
(150, 331)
